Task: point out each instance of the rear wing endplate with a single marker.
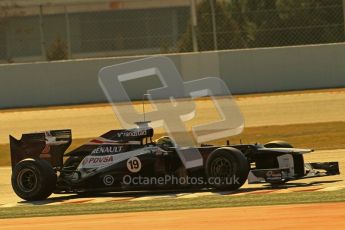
(48, 145)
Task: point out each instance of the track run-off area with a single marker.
(261, 110)
(301, 216)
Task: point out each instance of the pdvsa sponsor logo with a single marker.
(107, 149)
(95, 161)
(132, 133)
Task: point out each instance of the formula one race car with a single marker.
(112, 162)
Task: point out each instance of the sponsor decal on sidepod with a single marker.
(107, 149)
(97, 161)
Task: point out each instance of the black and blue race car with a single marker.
(128, 159)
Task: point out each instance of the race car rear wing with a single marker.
(48, 145)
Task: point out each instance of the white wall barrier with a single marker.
(245, 71)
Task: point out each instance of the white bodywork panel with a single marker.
(254, 179)
(286, 161)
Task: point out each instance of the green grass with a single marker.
(174, 204)
(318, 136)
(5, 159)
(237, 96)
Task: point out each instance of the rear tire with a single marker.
(33, 179)
(227, 169)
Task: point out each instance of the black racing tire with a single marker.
(278, 144)
(224, 165)
(33, 179)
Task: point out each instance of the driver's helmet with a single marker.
(165, 142)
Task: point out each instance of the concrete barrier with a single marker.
(244, 71)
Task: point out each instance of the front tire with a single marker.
(33, 179)
(227, 168)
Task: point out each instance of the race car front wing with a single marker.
(280, 175)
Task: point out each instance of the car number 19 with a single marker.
(134, 164)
